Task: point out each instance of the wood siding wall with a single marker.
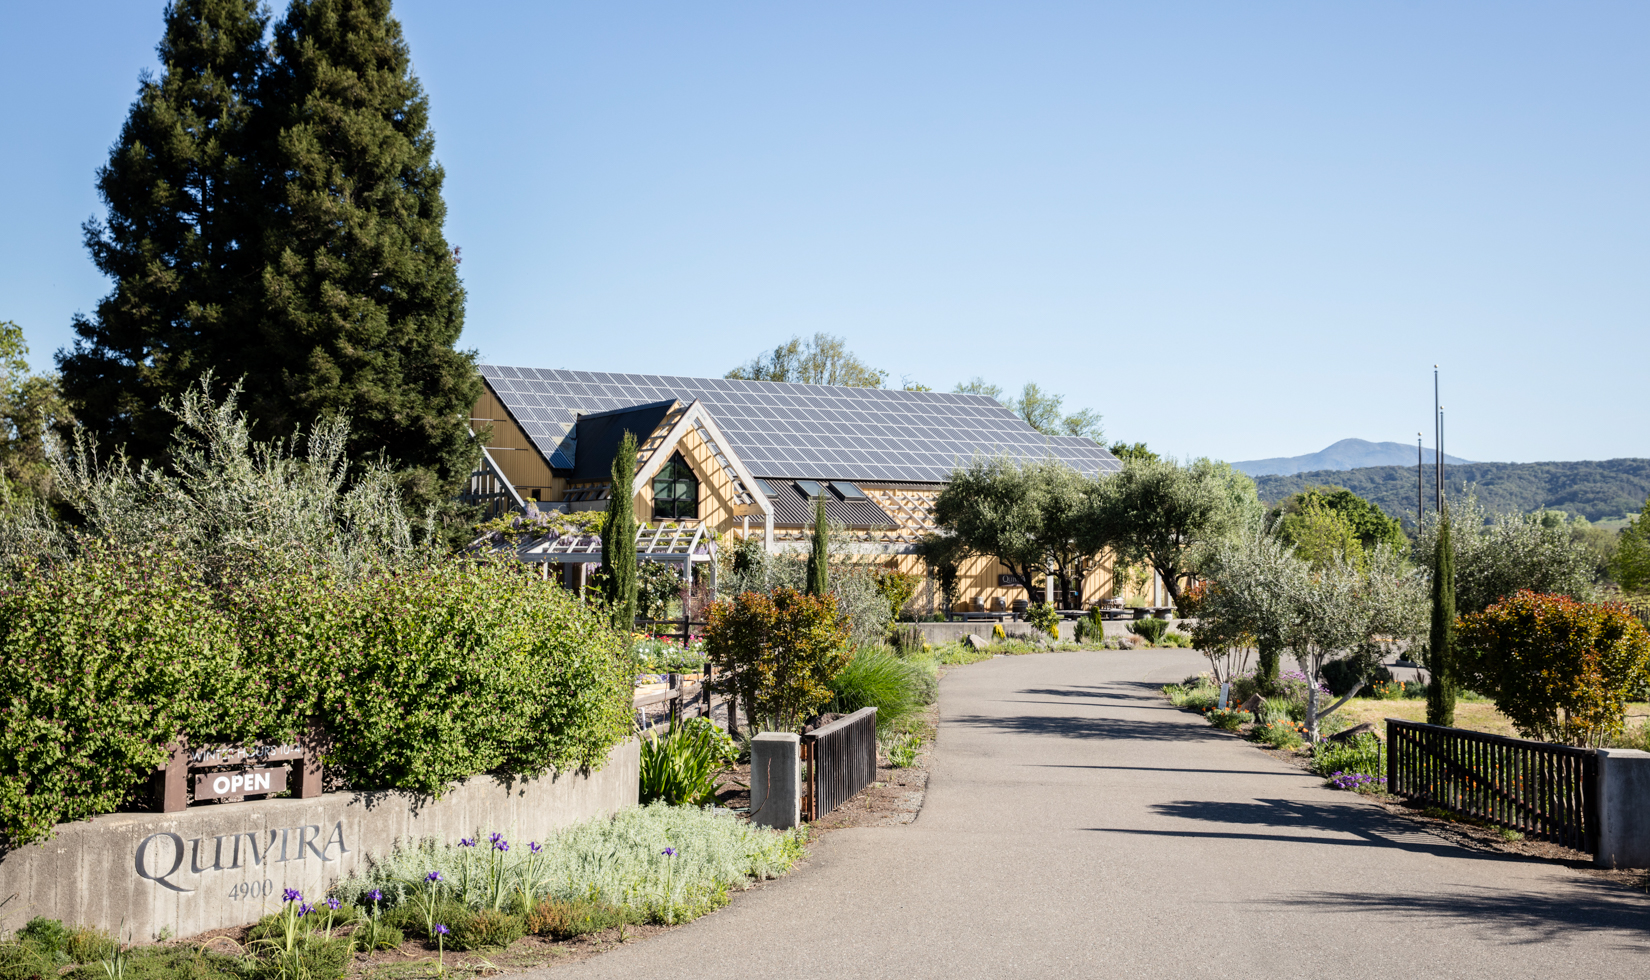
(513, 452)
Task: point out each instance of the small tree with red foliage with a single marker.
(1562, 670)
(778, 651)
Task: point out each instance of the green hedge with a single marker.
(417, 678)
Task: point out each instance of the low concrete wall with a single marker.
(213, 866)
(952, 632)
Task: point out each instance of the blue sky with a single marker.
(1238, 230)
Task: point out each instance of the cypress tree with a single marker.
(1441, 689)
(361, 303)
(178, 226)
(1266, 670)
(619, 540)
(819, 558)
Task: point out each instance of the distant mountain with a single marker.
(1597, 490)
(1348, 454)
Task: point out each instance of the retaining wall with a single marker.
(145, 874)
(952, 632)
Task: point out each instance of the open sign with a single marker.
(244, 782)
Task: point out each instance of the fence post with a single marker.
(1623, 793)
(776, 780)
(1391, 760)
(308, 768)
(167, 786)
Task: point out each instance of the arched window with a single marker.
(675, 492)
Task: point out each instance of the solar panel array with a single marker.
(799, 431)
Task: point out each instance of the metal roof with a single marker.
(792, 507)
(815, 432)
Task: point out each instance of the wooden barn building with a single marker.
(748, 458)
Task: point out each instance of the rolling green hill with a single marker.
(1595, 489)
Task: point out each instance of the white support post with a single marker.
(687, 597)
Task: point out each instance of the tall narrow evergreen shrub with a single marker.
(1441, 690)
(619, 539)
(1268, 652)
(818, 559)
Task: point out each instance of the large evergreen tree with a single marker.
(361, 301)
(275, 216)
(176, 236)
(1441, 689)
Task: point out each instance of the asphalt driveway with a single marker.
(1076, 825)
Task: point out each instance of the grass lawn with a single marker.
(1477, 716)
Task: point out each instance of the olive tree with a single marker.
(1343, 612)
(232, 505)
(1336, 610)
(1244, 600)
(1035, 517)
(1496, 557)
(1170, 514)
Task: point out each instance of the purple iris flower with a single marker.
(435, 877)
(495, 838)
(375, 896)
(441, 930)
(292, 895)
(669, 852)
(466, 842)
(533, 846)
(305, 909)
(501, 845)
(333, 904)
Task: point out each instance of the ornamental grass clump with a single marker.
(1360, 755)
(1196, 693)
(1151, 629)
(875, 677)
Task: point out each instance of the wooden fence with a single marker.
(681, 631)
(842, 760)
(1537, 788)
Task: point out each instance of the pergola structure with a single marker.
(686, 545)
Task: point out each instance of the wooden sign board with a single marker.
(169, 784)
(235, 755)
(243, 782)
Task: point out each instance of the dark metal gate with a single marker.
(1537, 788)
(842, 760)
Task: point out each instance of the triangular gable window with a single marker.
(676, 492)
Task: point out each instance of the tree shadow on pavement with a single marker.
(1070, 726)
(1098, 691)
(1515, 916)
(1368, 826)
